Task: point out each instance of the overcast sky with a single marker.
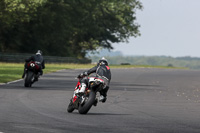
(168, 27)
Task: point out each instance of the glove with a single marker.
(82, 75)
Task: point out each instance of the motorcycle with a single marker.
(31, 74)
(84, 102)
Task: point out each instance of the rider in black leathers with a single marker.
(38, 58)
(103, 72)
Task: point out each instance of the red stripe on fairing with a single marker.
(78, 85)
(108, 68)
(74, 99)
(101, 79)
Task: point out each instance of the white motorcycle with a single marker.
(84, 103)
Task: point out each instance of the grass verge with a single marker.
(14, 71)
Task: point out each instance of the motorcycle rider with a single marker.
(38, 58)
(103, 72)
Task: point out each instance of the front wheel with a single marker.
(70, 107)
(83, 109)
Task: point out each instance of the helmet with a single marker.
(39, 52)
(103, 61)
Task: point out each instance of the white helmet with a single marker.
(39, 52)
(103, 60)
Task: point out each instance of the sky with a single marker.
(168, 28)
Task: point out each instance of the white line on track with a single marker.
(15, 81)
(10, 83)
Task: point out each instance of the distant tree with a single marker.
(14, 14)
(66, 27)
(101, 23)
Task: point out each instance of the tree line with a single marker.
(187, 62)
(66, 27)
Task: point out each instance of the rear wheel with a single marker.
(83, 109)
(28, 79)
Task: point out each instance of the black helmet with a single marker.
(39, 52)
(103, 61)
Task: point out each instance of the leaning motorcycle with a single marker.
(31, 73)
(84, 102)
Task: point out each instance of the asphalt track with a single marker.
(140, 100)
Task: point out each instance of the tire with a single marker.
(28, 79)
(83, 109)
(70, 107)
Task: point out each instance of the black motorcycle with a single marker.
(31, 74)
(84, 102)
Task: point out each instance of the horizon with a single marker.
(112, 53)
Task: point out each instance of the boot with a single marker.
(24, 73)
(103, 94)
(102, 99)
(95, 102)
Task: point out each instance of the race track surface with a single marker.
(140, 100)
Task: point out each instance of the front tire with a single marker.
(83, 109)
(70, 108)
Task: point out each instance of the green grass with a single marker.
(13, 71)
(10, 71)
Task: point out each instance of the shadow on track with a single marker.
(101, 114)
